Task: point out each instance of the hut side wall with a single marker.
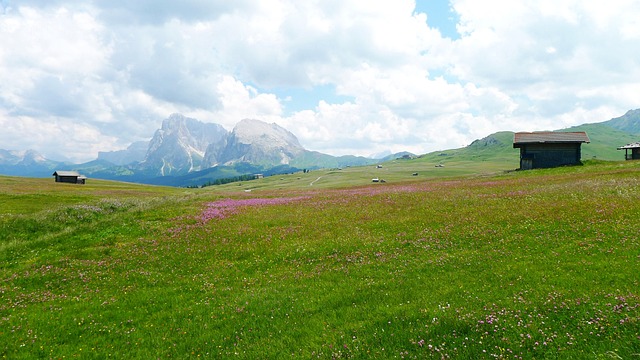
(537, 156)
(634, 155)
(67, 179)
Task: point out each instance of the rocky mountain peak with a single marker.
(257, 142)
(179, 123)
(33, 157)
(180, 144)
(24, 157)
(260, 133)
(174, 121)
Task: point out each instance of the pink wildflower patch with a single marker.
(222, 208)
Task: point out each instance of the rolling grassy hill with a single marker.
(489, 155)
(456, 262)
(604, 142)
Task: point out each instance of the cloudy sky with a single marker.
(345, 76)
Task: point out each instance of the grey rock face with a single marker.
(257, 142)
(180, 145)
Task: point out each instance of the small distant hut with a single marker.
(72, 177)
(635, 151)
(547, 149)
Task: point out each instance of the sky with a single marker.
(345, 76)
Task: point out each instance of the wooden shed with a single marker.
(634, 148)
(72, 177)
(547, 149)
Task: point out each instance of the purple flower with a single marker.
(222, 208)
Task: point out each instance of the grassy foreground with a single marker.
(536, 264)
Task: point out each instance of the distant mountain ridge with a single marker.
(25, 163)
(629, 122)
(25, 157)
(185, 151)
(136, 152)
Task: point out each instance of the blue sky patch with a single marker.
(440, 16)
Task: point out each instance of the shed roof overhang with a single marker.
(630, 146)
(65, 173)
(549, 137)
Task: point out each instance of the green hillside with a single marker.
(439, 165)
(490, 155)
(495, 148)
(604, 142)
(528, 264)
(629, 122)
(316, 160)
(605, 138)
(19, 196)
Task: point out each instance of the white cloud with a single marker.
(244, 102)
(556, 41)
(105, 74)
(38, 46)
(53, 41)
(49, 134)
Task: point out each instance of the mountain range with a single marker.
(187, 152)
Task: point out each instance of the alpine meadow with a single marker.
(505, 264)
(342, 179)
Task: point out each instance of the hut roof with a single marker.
(65, 173)
(630, 146)
(553, 137)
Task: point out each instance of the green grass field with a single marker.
(438, 165)
(463, 261)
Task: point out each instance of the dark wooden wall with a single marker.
(67, 179)
(537, 156)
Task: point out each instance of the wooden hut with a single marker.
(634, 148)
(72, 177)
(547, 149)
